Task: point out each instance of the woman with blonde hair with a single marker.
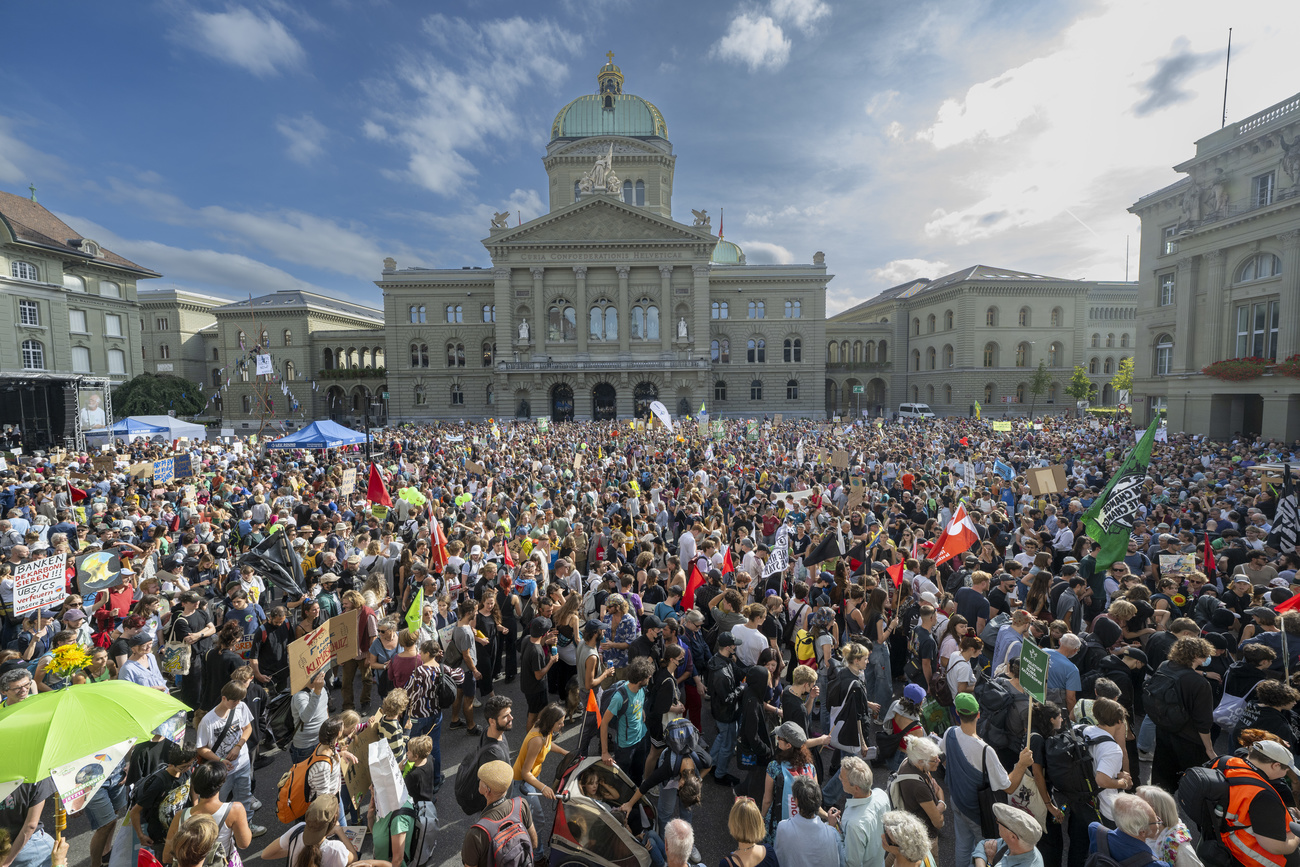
(194, 840)
(904, 838)
(745, 824)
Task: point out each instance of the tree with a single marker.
(1079, 387)
(1039, 385)
(1123, 378)
(156, 394)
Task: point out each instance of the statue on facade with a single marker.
(681, 328)
(819, 258)
(1219, 192)
(523, 330)
(390, 264)
(702, 220)
(501, 220)
(1290, 158)
(601, 178)
(1191, 203)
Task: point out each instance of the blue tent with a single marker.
(319, 435)
(130, 428)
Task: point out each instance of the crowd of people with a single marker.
(759, 614)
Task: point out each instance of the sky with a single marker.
(257, 145)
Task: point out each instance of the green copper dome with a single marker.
(727, 253)
(609, 111)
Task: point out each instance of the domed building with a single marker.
(607, 303)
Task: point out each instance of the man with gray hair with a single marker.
(1135, 822)
(679, 844)
(861, 824)
(1063, 680)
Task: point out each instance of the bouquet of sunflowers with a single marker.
(66, 660)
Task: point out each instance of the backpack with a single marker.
(444, 689)
(1069, 765)
(291, 799)
(607, 697)
(1003, 713)
(1102, 857)
(1163, 699)
(421, 838)
(804, 650)
(511, 845)
(790, 633)
(217, 856)
(280, 719)
(895, 800)
(451, 654)
(466, 785)
(1203, 796)
(990, 634)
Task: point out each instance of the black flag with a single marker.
(1286, 520)
(831, 545)
(275, 558)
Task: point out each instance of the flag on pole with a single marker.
(977, 410)
(415, 614)
(1209, 564)
(1006, 471)
(509, 558)
(1109, 520)
(831, 545)
(76, 494)
(438, 545)
(693, 583)
(798, 453)
(375, 490)
(1286, 520)
(956, 538)
(728, 565)
(896, 573)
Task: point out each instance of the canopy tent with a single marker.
(149, 427)
(319, 435)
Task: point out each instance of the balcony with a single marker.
(610, 364)
(859, 366)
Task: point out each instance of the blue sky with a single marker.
(258, 145)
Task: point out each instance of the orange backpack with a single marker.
(291, 799)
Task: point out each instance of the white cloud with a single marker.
(904, 270)
(255, 41)
(442, 116)
(765, 253)
(754, 40)
(881, 102)
(766, 216)
(21, 164)
(305, 136)
(800, 13)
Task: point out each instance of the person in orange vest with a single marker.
(1259, 831)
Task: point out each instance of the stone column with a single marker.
(580, 305)
(1288, 337)
(1219, 303)
(507, 330)
(700, 304)
(539, 306)
(1185, 300)
(667, 319)
(624, 310)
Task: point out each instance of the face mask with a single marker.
(1207, 660)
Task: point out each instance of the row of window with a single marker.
(1095, 342)
(756, 389)
(29, 314)
(347, 359)
(33, 352)
(287, 336)
(602, 321)
(456, 395)
(455, 354)
(20, 270)
(870, 352)
(1112, 313)
(755, 309)
(1106, 367)
(1261, 266)
(290, 373)
(756, 350)
(1021, 394)
(633, 193)
(1024, 319)
(992, 352)
(454, 313)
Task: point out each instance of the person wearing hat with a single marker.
(320, 830)
(1016, 846)
(1257, 569)
(536, 662)
(726, 682)
(494, 781)
(1262, 833)
(650, 643)
(792, 760)
(969, 761)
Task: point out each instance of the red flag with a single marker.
(375, 490)
(957, 537)
(1209, 565)
(694, 582)
(896, 572)
(438, 546)
(727, 565)
(592, 706)
(1289, 605)
(916, 549)
(76, 493)
(510, 561)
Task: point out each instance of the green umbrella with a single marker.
(51, 729)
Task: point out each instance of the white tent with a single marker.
(149, 427)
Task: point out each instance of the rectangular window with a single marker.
(1166, 296)
(112, 325)
(29, 313)
(1257, 330)
(161, 323)
(77, 322)
(1170, 239)
(116, 361)
(80, 359)
(164, 351)
(1261, 189)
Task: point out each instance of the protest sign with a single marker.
(776, 419)
(577, 461)
(840, 459)
(103, 463)
(475, 467)
(345, 635)
(307, 656)
(164, 471)
(1176, 564)
(264, 365)
(386, 778)
(1046, 480)
(140, 470)
(98, 571)
(1004, 426)
(349, 482)
(77, 782)
(751, 430)
(182, 466)
(1033, 669)
(356, 776)
(39, 584)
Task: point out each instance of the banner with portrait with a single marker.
(92, 408)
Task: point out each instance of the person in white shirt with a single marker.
(223, 737)
(686, 544)
(750, 642)
(322, 829)
(1107, 754)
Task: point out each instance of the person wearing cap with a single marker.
(650, 643)
(1016, 846)
(319, 831)
(141, 666)
(726, 686)
(536, 662)
(969, 760)
(494, 781)
(1262, 832)
(792, 760)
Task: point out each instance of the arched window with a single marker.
(490, 395)
(420, 395)
(1108, 367)
(792, 350)
(243, 371)
(266, 339)
(881, 355)
(916, 327)
(947, 394)
(844, 352)
(1123, 341)
(645, 321)
(640, 192)
(947, 356)
(791, 389)
(1056, 317)
(73, 283)
(457, 396)
(833, 353)
(247, 402)
(216, 377)
(489, 351)
(916, 359)
(1022, 355)
(20, 270)
(719, 310)
(1110, 341)
(1258, 267)
(365, 357)
(243, 341)
(1092, 365)
(416, 313)
(1020, 393)
(455, 355)
(1055, 355)
(929, 394)
(288, 337)
(991, 316)
(290, 372)
(794, 309)
(929, 324)
(756, 389)
(1023, 318)
(857, 352)
(611, 323)
(627, 193)
(109, 289)
(988, 393)
(990, 355)
(33, 355)
(455, 313)
(930, 358)
(561, 322)
(1164, 354)
(719, 390)
(756, 351)
(869, 351)
(419, 354)
(757, 310)
(489, 313)
(916, 394)
(720, 350)
(1096, 341)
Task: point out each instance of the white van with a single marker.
(915, 410)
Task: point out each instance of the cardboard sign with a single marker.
(140, 470)
(77, 782)
(98, 571)
(1033, 669)
(776, 419)
(345, 635)
(104, 463)
(307, 656)
(349, 482)
(356, 776)
(1004, 426)
(840, 459)
(1046, 480)
(577, 461)
(472, 467)
(39, 584)
(1170, 564)
(164, 471)
(182, 466)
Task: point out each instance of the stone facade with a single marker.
(172, 322)
(1219, 279)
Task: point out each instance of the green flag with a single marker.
(415, 614)
(1109, 521)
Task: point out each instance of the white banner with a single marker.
(386, 777)
(78, 781)
(39, 584)
(264, 366)
(779, 559)
(661, 413)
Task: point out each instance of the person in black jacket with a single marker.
(1096, 647)
(663, 696)
(725, 690)
(1183, 746)
(1271, 708)
(1255, 665)
(755, 742)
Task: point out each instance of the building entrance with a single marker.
(604, 400)
(562, 403)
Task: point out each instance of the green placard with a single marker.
(857, 389)
(1033, 669)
